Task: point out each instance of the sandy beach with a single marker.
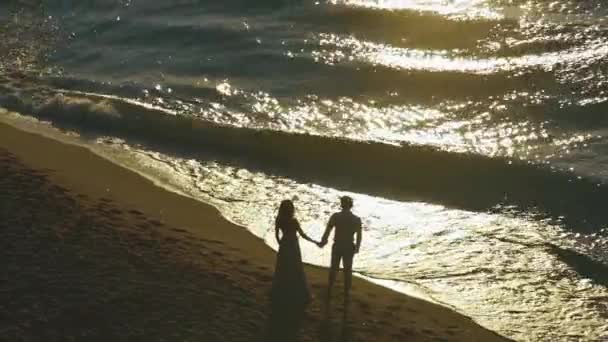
(92, 251)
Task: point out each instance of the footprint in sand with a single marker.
(394, 307)
(264, 277)
(143, 226)
(156, 223)
(171, 240)
(211, 241)
(115, 211)
(428, 332)
(105, 200)
(397, 336)
(59, 189)
(365, 307)
(450, 332)
(135, 212)
(406, 331)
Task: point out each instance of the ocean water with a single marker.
(472, 134)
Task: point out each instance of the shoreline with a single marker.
(377, 312)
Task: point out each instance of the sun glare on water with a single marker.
(457, 8)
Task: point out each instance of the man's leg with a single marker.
(333, 269)
(348, 276)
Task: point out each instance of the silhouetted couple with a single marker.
(290, 294)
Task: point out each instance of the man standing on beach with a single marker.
(347, 226)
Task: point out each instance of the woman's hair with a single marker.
(286, 211)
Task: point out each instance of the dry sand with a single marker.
(91, 251)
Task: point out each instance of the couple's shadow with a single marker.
(286, 321)
(327, 333)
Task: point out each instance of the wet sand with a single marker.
(91, 251)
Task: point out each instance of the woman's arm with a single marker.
(330, 226)
(276, 233)
(302, 234)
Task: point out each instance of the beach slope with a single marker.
(92, 251)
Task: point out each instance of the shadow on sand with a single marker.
(285, 322)
(327, 333)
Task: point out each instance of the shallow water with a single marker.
(471, 133)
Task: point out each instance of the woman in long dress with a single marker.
(289, 293)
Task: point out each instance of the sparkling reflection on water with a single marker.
(501, 78)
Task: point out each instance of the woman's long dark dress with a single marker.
(289, 287)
